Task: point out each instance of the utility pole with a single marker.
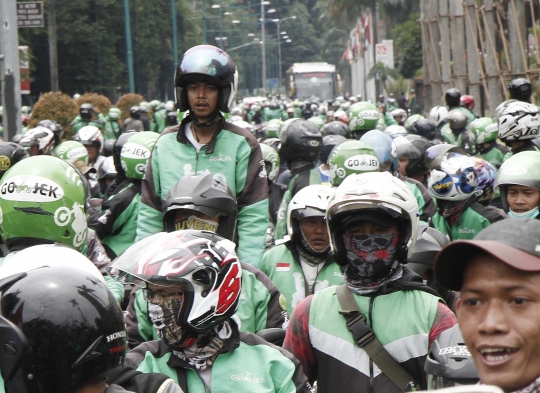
(174, 33)
(473, 64)
(516, 35)
(10, 76)
(458, 45)
(53, 51)
(445, 44)
(491, 60)
(129, 50)
(263, 46)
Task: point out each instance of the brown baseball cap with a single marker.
(514, 241)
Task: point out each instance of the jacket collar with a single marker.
(210, 146)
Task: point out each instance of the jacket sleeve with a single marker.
(107, 219)
(96, 253)
(150, 219)
(139, 328)
(265, 300)
(281, 220)
(297, 339)
(252, 198)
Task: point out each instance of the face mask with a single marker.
(530, 214)
(197, 223)
(164, 317)
(370, 258)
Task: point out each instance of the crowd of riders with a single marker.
(272, 245)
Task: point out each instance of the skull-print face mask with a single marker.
(164, 317)
(370, 258)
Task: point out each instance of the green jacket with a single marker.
(248, 364)
(426, 204)
(79, 123)
(259, 308)
(112, 129)
(469, 222)
(281, 263)
(234, 153)
(157, 122)
(299, 180)
(495, 153)
(116, 223)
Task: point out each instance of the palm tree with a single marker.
(382, 72)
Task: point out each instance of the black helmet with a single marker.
(86, 111)
(449, 362)
(424, 127)
(120, 142)
(80, 338)
(207, 64)
(328, 143)
(301, 140)
(520, 89)
(207, 194)
(107, 171)
(108, 147)
(457, 120)
(135, 112)
(452, 98)
(16, 138)
(414, 148)
(336, 128)
(171, 119)
(10, 154)
(55, 128)
(428, 243)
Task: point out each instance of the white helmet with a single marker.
(369, 192)
(90, 136)
(310, 201)
(438, 114)
(455, 179)
(40, 136)
(243, 124)
(47, 255)
(519, 121)
(401, 113)
(236, 111)
(502, 106)
(395, 130)
(169, 106)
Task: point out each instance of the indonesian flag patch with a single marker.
(283, 267)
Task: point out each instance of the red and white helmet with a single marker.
(201, 263)
(467, 101)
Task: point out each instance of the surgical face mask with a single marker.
(193, 222)
(529, 214)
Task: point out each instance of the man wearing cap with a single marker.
(372, 221)
(498, 274)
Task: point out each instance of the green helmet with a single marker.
(317, 121)
(351, 157)
(412, 119)
(521, 169)
(42, 199)
(483, 130)
(272, 128)
(136, 153)
(114, 114)
(271, 155)
(363, 116)
(71, 150)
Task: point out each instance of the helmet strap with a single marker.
(198, 123)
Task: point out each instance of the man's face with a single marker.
(402, 165)
(522, 198)
(92, 153)
(203, 99)
(499, 316)
(315, 232)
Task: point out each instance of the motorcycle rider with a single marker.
(518, 125)
(92, 139)
(134, 122)
(86, 118)
(372, 223)
(205, 142)
(484, 135)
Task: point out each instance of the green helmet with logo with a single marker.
(114, 114)
(363, 116)
(272, 128)
(351, 157)
(71, 150)
(136, 153)
(42, 200)
(318, 121)
(521, 169)
(272, 156)
(483, 130)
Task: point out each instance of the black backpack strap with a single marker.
(181, 375)
(365, 338)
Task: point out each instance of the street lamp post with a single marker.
(263, 48)
(278, 24)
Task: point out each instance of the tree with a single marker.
(382, 73)
(407, 38)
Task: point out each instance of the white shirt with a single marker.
(191, 138)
